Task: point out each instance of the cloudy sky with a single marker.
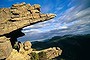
(73, 17)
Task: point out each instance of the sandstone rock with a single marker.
(15, 16)
(21, 49)
(36, 6)
(19, 16)
(21, 4)
(15, 55)
(27, 45)
(58, 48)
(52, 52)
(50, 16)
(34, 11)
(36, 16)
(5, 47)
(28, 5)
(31, 8)
(43, 15)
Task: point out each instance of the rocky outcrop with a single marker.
(5, 47)
(27, 45)
(52, 52)
(25, 54)
(12, 20)
(15, 55)
(19, 16)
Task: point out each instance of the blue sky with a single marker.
(73, 17)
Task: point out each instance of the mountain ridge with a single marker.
(75, 47)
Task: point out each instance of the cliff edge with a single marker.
(12, 20)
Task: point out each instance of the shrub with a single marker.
(42, 56)
(34, 56)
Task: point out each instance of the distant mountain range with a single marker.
(75, 47)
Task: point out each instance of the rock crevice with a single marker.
(21, 15)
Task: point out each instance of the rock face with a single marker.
(15, 55)
(5, 47)
(12, 20)
(24, 54)
(53, 52)
(50, 52)
(19, 16)
(27, 45)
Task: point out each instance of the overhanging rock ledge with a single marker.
(13, 19)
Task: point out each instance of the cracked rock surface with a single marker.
(21, 15)
(12, 20)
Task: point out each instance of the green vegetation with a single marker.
(15, 46)
(75, 47)
(34, 56)
(38, 56)
(43, 56)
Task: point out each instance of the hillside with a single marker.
(75, 47)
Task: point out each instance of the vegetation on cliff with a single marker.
(75, 47)
(12, 20)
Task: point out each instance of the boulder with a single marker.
(27, 45)
(21, 49)
(5, 47)
(36, 6)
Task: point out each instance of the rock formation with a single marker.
(27, 45)
(25, 54)
(19, 16)
(5, 47)
(12, 20)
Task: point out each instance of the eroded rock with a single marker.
(21, 15)
(5, 47)
(15, 18)
(52, 52)
(27, 45)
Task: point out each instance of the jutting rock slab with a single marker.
(21, 15)
(15, 18)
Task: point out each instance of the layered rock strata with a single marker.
(19, 16)
(5, 47)
(12, 20)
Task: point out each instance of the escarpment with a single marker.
(12, 20)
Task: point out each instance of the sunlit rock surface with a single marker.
(5, 47)
(24, 54)
(12, 20)
(21, 15)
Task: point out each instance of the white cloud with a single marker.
(73, 21)
(58, 9)
(46, 8)
(75, 25)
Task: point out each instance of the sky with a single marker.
(73, 17)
